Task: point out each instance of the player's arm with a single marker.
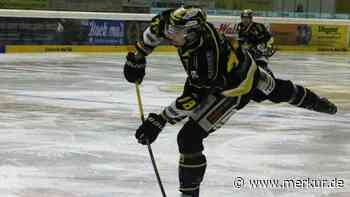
(264, 35)
(152, 36)
(265, 41)
(134, 68)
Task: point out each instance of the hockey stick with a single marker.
(139, 102)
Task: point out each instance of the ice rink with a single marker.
(67, 127)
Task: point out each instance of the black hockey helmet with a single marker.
(188, 19)
(188, 16)
(247, 13)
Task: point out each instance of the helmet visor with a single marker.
(182, 33)
(176, 29)
(176, 33)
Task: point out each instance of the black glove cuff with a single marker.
(157, 120)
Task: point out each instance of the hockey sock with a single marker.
(191, 172)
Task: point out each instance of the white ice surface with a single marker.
(67, 125)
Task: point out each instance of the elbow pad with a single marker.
(148, 43)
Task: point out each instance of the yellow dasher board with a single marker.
(314, 36)
(329, 36)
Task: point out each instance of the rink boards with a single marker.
(76, 48)
(121, 49)
(53, 31)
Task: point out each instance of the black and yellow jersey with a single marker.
(253, 34)
(210, 62)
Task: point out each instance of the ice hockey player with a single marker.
(256, 38)
(219, 82)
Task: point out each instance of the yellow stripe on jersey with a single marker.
(232, 61)
(270, 42)
(246, 85)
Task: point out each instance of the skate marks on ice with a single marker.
(68, 120)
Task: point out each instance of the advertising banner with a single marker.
(30, 31)
(104, 32)
(330, 37)
(230, 29)
(323, 37)
(291, 34)
(24, 4)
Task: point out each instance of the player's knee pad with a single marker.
(191, 172)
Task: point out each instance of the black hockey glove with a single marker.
(150, 129)
(134, 68)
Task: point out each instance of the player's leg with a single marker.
(265, 84)
(263, 63)
(192, 163)
(297, 95)
(213, 112)
(279, 90)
